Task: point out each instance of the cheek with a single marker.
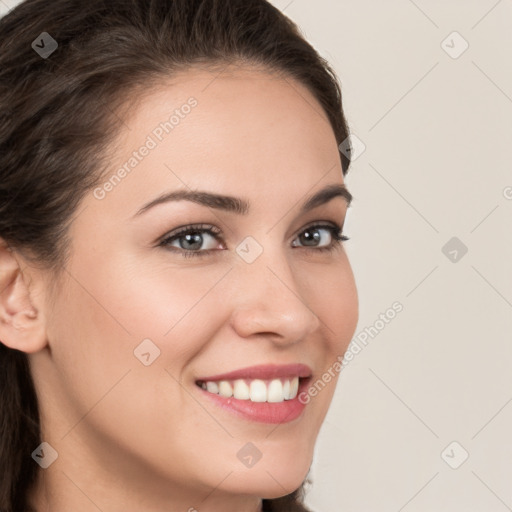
(91, 347)
(341, 301)
(127, 301)
(332, 295)
(94, 332)
(178, 309)
(109, 307)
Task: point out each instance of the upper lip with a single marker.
(264, 371)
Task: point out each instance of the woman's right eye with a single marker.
(190, 239)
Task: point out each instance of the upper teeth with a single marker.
(257, 390)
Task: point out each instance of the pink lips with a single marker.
(263, 372)
(263, 412)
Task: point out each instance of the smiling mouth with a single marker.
(255, 390)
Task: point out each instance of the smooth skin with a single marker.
(132, 437)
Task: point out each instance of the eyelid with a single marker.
(216, 232)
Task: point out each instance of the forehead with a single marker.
(233, 130)
(231, 104)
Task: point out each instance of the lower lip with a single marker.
(263, 412)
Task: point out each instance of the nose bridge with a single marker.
(270, 300)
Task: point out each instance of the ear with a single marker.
(22, 326)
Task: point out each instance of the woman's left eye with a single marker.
(190, 239)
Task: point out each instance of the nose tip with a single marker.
(276, 309)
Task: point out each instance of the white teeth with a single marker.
(275, 391)
(212, 387)
(286, 389)
(225, 389)
(294, 387)
(241, 390)
(257, 390)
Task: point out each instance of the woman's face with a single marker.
(136, 325)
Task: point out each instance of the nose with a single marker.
(270, 301)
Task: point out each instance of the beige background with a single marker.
(437, 164)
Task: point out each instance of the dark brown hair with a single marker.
(59, 112)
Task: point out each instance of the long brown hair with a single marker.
(58, 112)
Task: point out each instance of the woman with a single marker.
(172, 272)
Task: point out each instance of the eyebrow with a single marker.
(242, 206)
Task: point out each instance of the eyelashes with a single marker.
(192, 234)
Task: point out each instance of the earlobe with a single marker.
(21, 324)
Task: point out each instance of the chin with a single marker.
(270, 481)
